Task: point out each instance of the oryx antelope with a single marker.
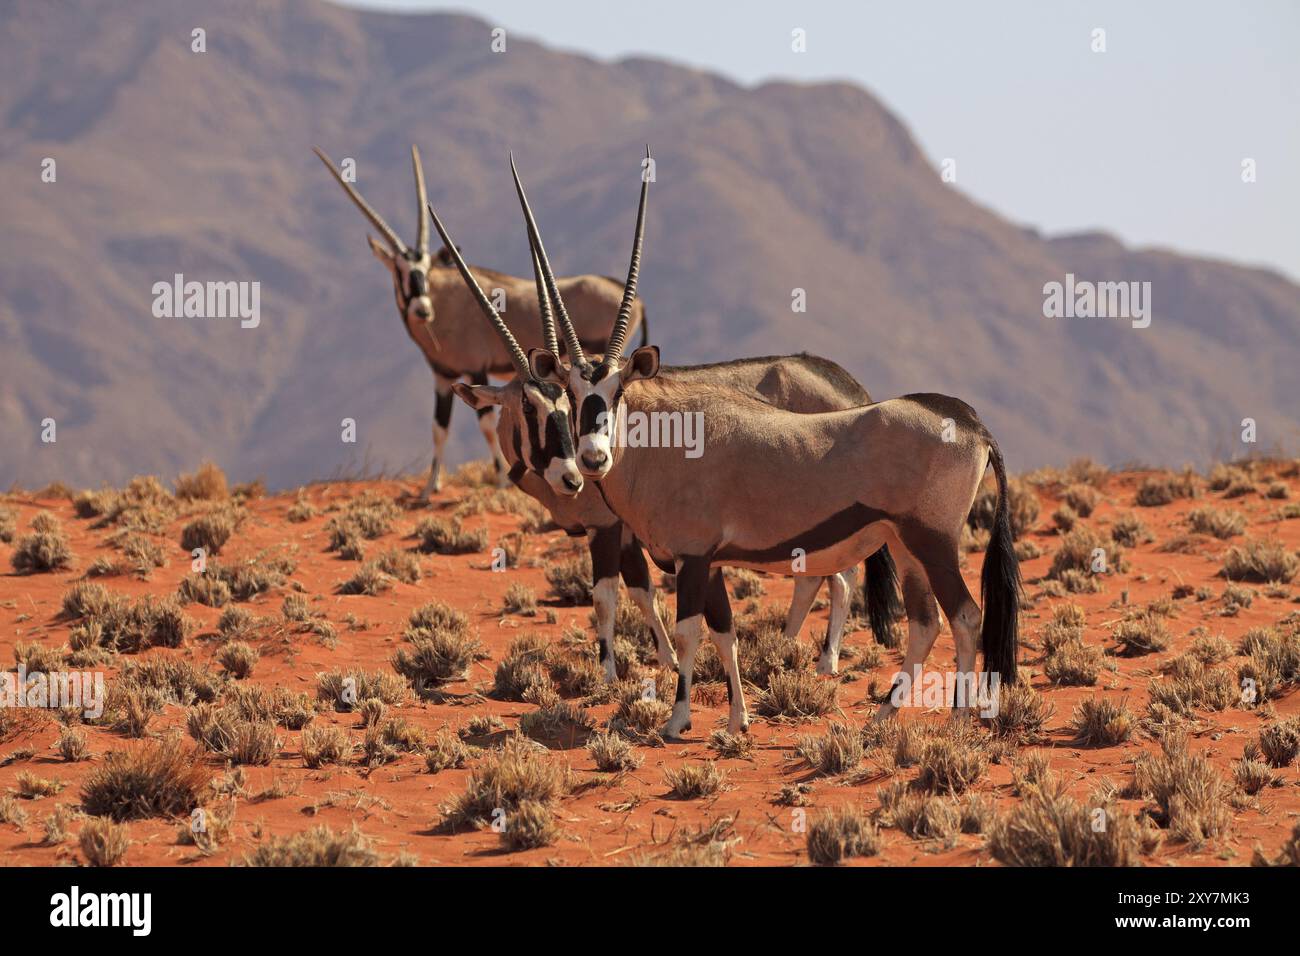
(831, 487)
(802, 383)
(440, 315)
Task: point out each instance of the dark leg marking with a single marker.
(604, 564)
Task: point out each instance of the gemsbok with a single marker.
(796, 494)
(798, 382)
(441, 317)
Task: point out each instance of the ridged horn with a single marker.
(571, 342)
(376, 220)
(516, 353)
(618, 337)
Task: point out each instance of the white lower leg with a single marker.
(965, 624)
(738, 718)
(487, 424)
(687, 638)
(829, 662)
(805, 592)
(644, 598)
(920, 638)
(605, 598)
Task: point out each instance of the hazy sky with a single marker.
(1145, 140)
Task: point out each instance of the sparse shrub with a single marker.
(209, 531)
(1217, 522)
(400, 565)
(1265, 561)
(369, 580)
(1050, 828)
(87, 599)
(519, 771)
(520, 599)
(570, 580)
(736, 746)
(438, 653)
(1280, 742)
(694, 780)
(1189, 792)
(153, 780)
(32, 787)
(446, 752)
(529, 826)
(840, 834)
(612, 753)
(953, 760)
(252, 742)
(1099, 722)
(1073, 664)
(104, 842)
(208, 483)
(1021, 713)
(72, 745)
(345, 690)
(1082, 499)
(1252, 775)
(839, 751)
(1129, 531)
(797, 694)
(745, 584)
(443, 536)
(301, 510)
(206, 589)
(1142, 634)
(1022, 501)
(1076, 553)
(238, 659)
(319, 846)
(522, 668)
(45, 549)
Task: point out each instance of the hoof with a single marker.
(827, 669)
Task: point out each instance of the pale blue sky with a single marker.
(1145, 140)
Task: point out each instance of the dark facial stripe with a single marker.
(593, 406)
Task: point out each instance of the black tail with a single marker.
(880, 589)
(645, 327)
(1000, 585)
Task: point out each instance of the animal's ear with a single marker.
(545, 366)
(381, 251)
(478, 396)
(643, 363)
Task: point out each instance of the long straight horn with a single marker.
(544, 305)
(617, 338)
(535, 240)
(421, 200)
(516, 353)
(376, 220)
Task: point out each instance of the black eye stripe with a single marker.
(593, 406)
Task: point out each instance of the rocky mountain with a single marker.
(169, 161)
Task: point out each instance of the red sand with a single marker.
(609, 820)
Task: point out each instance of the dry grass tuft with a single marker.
(1263, 561)
(612, 753)
(840, 834)
(1188, 791)
(319, 846)
(797, 694)
(519, 771)
(162, 779)
(443, 536)
(694, 780)
(1100, 722)
(1049, 828)
(45, 549)
(104, 842)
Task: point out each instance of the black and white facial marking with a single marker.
(534, 425)
(545, 436)
(410, 271)
(597, 392)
